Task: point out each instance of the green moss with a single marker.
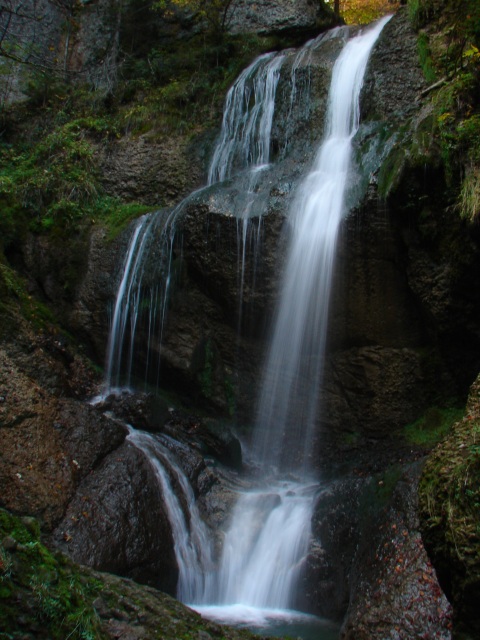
(351, 438)
(390, 171)
(378, 492)
(449, 509)
(115, 215)
(382, 486)
(36, 312)
(59, 599)
(425, 57)
(432, 426)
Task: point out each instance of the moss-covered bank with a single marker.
(45, 595)
(450, 515)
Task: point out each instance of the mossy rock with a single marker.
(43, 594)
(449, 503)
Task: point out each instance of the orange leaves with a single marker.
(365, 11)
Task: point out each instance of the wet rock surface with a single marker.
(368, 559)
(49, 442)
(117, 522)
(45, 594)
(64, 462)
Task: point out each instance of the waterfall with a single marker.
(267, 542)
(244, 142)
(259, 564)
(289, 397)
(151, 234)
(122, 306)
(245, 136)
(191, 539)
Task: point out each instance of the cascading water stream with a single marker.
(245, 136)
(244, 143)
(192, 545)
(288, 403)
(122, 308)
(120, 351)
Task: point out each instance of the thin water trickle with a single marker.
(245, 136)
(122, 309)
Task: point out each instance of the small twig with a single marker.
(432, 87)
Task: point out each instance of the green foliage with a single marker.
(181, 88)
(60, 598)
(469, 204)
(13, 293)
(448, 49)
(116, 215)
(425, 57)
(363, 11)
(420, 12)
(50, 178)
(432, 426)
(42, 87)
(458, 130)
(53, 182)
(449, 501)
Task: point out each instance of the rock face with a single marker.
(88, 41)
(117, 522)
(267, 17)
(45, 594)
(155, 172)
(66, 462)
(368, 559)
